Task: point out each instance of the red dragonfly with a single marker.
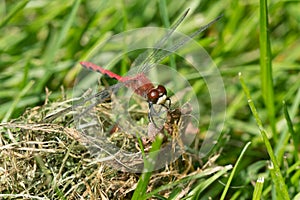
(139, 83)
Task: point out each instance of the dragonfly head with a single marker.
(158, 95)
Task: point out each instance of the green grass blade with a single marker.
(124, 64)
(165, 18)
(234, 170)
(186, 179)
(164, 13)
(266, 66)
(294, 173)
(275, 193)
(53, 49)
(149, 164)
(195, 194)
(296, 103)
(17, 99)
(280, 148)
(258, 189)
(291, 130)
(13, 12)
(278, 179)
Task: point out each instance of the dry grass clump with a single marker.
(42, 157)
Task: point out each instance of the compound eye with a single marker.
(153, 95)
(161, 90)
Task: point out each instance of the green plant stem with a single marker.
(278, 179)
(233, 171)
(266, 66)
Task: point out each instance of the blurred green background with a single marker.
(42, 42)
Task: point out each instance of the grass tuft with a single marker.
(277, 177)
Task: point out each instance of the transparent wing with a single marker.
(162, 48)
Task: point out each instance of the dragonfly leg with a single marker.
(152, 111)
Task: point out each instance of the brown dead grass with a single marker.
(45, 159)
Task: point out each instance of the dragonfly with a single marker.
(139, 83)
